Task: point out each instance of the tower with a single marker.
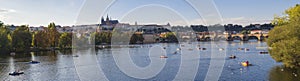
(135, 23)
(107, 19)
(102, 21)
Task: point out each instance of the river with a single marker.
(143, 62)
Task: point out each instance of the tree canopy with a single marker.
(21, 39)
(284, 39)
(5, 38)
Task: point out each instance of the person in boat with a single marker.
(232, 56)
(175, 52)
(17, 72)
(247, 62)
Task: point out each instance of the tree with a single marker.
(21, 38)
(135, 38)
(5, 39)
(171, 36)
(40, 40)
(102, 37)
(65, 40)
(53, 34)
(245, 32)
(284, 39)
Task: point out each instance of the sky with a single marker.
(175, 12)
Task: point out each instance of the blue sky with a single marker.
(176, 12)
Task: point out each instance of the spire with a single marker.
(107, 19)
(102, 20)
(135, 23)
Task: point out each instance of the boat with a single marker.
(163, 56)
(263, 52)
(221, 49)
(203, 48)
(34, 62)
(247, 49)
(175, 52)
(245, 64)
(241, 48)
(76, 56)
(232, 56)
(16, 73)
(178, 49)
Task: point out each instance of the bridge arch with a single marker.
(236, 38)
(254, 37)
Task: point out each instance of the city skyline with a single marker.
(65, 12)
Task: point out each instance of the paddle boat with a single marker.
(76, 56)
(246, 63)
(163, 56)
(16, 73)
(241, 48)
(247, 49)
(175, 52)
(33, 62)
(221, 49)
(263, 52)
(232, 56)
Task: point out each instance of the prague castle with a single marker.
(108, 22)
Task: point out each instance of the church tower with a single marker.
(107, 20)
(102, 21)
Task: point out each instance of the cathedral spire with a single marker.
(107, 19)
(102, 20)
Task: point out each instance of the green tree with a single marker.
(5, 39)
(102, 38)
(53, 34)
(245, 32)
(171, 36)
(284, 39)
(40, 40)
(135, 38)
(21, 38)
(65, 40)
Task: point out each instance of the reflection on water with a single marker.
(53, 66)
(280, 73)
(60, 65)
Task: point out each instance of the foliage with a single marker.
(135, 38)
(284, 39)
(39, 40)
(53, 35)
(103, 38)
(21, 39)
(171, 37)
(65, 40)
(5, 39)
(245, 32)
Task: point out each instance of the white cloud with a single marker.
(7, 10)
(2, 17)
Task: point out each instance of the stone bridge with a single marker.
(245, 37)
(230, 37)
